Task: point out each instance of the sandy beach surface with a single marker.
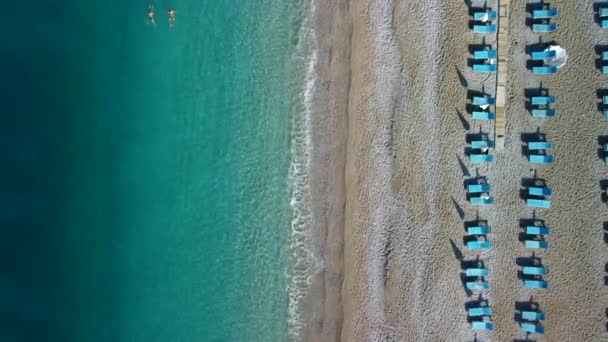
(390, 138)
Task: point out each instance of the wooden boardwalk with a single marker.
(501, 82)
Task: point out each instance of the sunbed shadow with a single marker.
(528, 137)
(479, 301)
(524, 340)
(461, 78)
(477, 47)
(601, 141)
(463, 121)
(470, 108)
(532, 92)
(527, 261)
(475, 223)
(600, 97)
(605, 231)
(523, 223)
(475, 263)
(599, 49)
(604, 184)
(529, 305)
(476, 136)
(532, 260)
(596, 9)
(528, 182)
(463, 167)
(458, 208)
(463, 281)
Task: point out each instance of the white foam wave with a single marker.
(304, 262)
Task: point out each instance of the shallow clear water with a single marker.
(145, 170)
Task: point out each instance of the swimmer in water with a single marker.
(171, 17)
(151, 15)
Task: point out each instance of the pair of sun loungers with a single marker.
(541, 56)
(484, 22)
(541, 106)
(479, 232)
(541, 18)
(530, 321)
(485, 61)
(603, 13)
(480, 194)
(538, 197)
(535, 237)
(483, 313)
(538, 152)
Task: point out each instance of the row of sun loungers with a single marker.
(483, 61)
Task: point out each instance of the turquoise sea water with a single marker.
(145, 183)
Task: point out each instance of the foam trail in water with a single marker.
(304, 261)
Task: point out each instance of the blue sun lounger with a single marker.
(482, 100)
(477, 245)
(478, 325)
(604, 56)
(479, 144)
(534, 244)
(481, 158)
(605, 69)
(478, 16)
(537, 203)
(477, 188)
(480, 311)
(605, 99)
(535, 230)
(539, 191)
(483, 115)
(544, 28)
(603, 12)
(543, 113)
(532, 315)
(534, 270)
(484, 29)
(540, 159)
(480, 201)
(477, 272)
(543, 100)
(536, 284)
(478, 230)
(485, 54)
(532, 328)
(541, 55)
(604, 24)
(539, 145)
(477, 285)
(544, 70)
(544, 13)
(484, 68)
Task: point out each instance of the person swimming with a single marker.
(151, 14)
(171, 17)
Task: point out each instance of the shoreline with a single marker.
(323, 306)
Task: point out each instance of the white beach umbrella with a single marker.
(485, 18)
(560, 56)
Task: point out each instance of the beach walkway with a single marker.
(501, 82)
